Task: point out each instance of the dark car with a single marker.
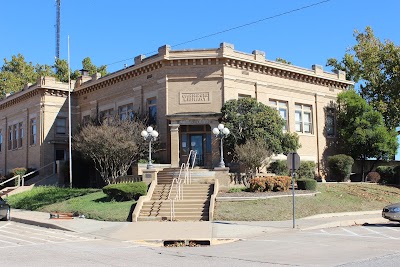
(392, 212)
(4, 210)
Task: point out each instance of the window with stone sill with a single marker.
(126, 112)
(106, 115)
(152, 109)
(282, 108)
(330, 122)
(303, 118)
(33, 132)
(61, 125)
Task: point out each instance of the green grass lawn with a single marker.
(342, 197)
(94, 204)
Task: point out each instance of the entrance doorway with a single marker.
(197, 138)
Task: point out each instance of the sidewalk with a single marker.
(215, 232)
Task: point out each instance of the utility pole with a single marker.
(58, 22)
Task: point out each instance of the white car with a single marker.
(4, 210)
(392, 212)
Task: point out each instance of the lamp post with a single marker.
(221, 132)
(149, 135)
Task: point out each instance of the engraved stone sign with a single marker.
(195, 98)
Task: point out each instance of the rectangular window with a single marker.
(33, 132)
(152, 106)
(303, 118)
(106, 115)
(15, 136)
(20, 134)
(282, 108)
(10, 134)
(330, 122)
(61, 125)
(126, 112)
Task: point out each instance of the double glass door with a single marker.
(200, 141)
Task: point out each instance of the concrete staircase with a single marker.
(194, 205)
(8, 191)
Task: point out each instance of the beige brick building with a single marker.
(184, 91)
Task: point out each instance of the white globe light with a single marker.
(149, 129)
(215, 131)
(226, 131)
(154, 134)
(221, 126)
(144, 133)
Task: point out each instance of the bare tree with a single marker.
(113, 146)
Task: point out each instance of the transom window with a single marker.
(282, 108)
(303, 118)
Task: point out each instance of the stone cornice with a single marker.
(301, 75)
(233, 59)
(15, 100)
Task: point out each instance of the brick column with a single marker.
(174, 128)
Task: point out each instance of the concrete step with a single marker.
(177, 218)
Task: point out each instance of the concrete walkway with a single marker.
(215, 232)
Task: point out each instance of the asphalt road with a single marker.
(371, 245)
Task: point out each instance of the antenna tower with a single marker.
(58, 4)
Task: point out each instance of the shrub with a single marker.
(125, 191)
(386, 173)
(340, 167)
(307, 184)
(306, 170)
(279, 167)
(396, 175)
(374, 177)
(270, 183)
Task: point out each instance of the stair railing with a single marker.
(179, 191)
(36, 171)
(12, 178)
(189, 166)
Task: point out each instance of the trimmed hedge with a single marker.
(270, 183)
(306, 170)
(307, 184)
(125, 191)
(279, 167)
(373, 177)
(386, 173)
(340, 167)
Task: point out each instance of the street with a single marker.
(369, 245)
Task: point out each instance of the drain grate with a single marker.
(186, 243)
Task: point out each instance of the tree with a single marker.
(362, 133)
(113, 146)
(253, 155)
(376, 65)
(252, 122)
(282, 60)
(92, 69)
(16, 73)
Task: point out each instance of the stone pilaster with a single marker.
(174, 128)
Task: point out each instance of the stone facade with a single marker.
(184, 90)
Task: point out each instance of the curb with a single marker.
(40, 224)
(221, 199)
(344, 223)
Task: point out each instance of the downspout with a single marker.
(317, 135)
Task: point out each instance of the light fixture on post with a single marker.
(149, 135)
(221, 132)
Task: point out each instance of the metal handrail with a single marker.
(188, 173)
(13, 178)
(32, 172)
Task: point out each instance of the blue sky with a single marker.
(113, 31)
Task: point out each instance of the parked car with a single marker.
(392, 212)
(4, 210)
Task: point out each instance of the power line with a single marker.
(234, 28)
